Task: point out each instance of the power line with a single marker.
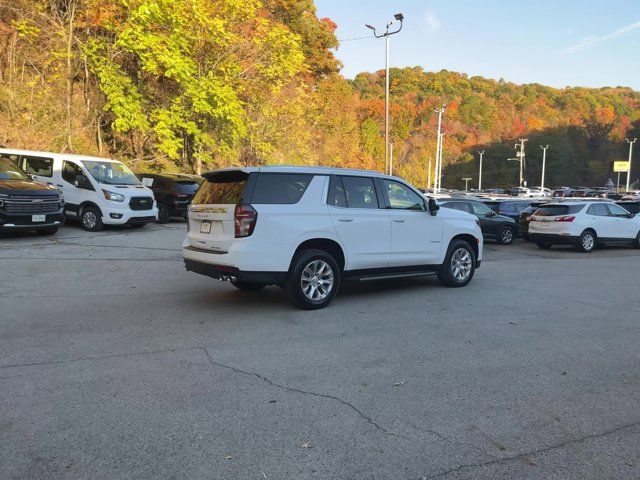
(355, 38)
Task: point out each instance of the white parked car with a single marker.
(584, 224)
(97, 191)
(309, 229)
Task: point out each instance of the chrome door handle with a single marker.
(346, 220)
(398, 220)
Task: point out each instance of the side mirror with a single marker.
(433, 207)
(491, 214)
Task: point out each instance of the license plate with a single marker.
(545, 223)
(38, 218)
(205, 227)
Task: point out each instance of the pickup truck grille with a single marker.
(141, 203)
(31, 204)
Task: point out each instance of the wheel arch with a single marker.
(85, 204)
(470, 239)
(322, 243)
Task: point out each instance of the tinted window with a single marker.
(402, 197)
(631, 207)
(70, 170)
(360, 192)
(37, 166)
(462, 206)
(336, 197)
(480, 209)
(598, 209)
(222, 188)
(556, 210)
(617, 211)
(280, 188)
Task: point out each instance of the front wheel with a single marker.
(91, 219)
(587, 241)
(314, 279)
(506, 236)
(459, 265)
(163, 213)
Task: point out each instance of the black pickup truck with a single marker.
(26, 204)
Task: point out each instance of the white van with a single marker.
(97, 191)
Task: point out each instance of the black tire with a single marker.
(91, 219)
(460, 255)
(163, 213)
(543, 245)
(588, 241)
(506, 235)
(248, 286)
(47, 231)
(312, 262)
(636, 242)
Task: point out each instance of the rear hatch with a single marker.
(554, 219)
(212, 211)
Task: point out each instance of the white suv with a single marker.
(308, 229)
(584, 224)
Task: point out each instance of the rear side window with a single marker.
(280, 188)
(462, 206)
(360, 192)
(222, 188)
(336, 197)
(556, 210)
(599, 210)
(40, 166)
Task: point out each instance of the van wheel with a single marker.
(163, 213)
(248, 286)
(91, 219)
(47, 231)
(506, 236)
(459, 265)
(588, 241)
(313, 280)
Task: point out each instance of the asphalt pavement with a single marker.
(116, 363)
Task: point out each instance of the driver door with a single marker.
(73, 195)
(416, 235)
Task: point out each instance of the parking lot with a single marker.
(116, 363)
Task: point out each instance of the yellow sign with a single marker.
(620, 166)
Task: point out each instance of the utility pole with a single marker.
(466, 183)
(398, 18)
(520, 155)
(544, 161)
(442, 134)
(436, 185)
(480, 175)
(429, 175)
(630, 142)
(391, 159)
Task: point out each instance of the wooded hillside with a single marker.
(181, 85)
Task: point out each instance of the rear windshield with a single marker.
(280, 188)
(221, 188)
(555, 210)
(186, 186)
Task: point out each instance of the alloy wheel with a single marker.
(461, 264)
(317, 280)
(588, 241)
(89, 220)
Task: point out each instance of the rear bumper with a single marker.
(226, 272)
(553, 238)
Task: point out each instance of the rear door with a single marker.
(601, 220)
(416, 235)
(212, 213)
(363, 226)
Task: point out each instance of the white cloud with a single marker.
(433, 22)
(593, 40)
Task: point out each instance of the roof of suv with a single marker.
(299, 169)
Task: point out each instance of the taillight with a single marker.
(565, 218)
(245, 219)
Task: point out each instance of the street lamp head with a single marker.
(398, 16)
(369, 26)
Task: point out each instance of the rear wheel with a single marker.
(636, 242)
(91, 219)
(587, 241)
(459, 265)
(314, 279)
(248, 286)
(163, 213)
(506, 236)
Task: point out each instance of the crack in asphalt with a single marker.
(297, 390)
(499, 461)
(448, 440)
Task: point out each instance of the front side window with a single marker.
(480, 209)
(280, 188)
(360, 192)
(111, 173)
(70, 170)
(10, 171)
(40, 166)
(617, 211)
(402, 197)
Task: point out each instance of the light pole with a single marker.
(544, 161)
(520, 155)
(429, 175)
(436, 184)
(466, 183)
(439, 178)
(630, 142)
(480, 174)
(398, 18)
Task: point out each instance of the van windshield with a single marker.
(9, 171)
(111, 173)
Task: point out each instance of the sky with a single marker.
(558, 43)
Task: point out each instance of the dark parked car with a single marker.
(173, 192)
(26, 204)
(509, 208)
(525, 218)
(631, 206)
(493, 226)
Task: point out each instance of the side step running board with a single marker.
(383, 276)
